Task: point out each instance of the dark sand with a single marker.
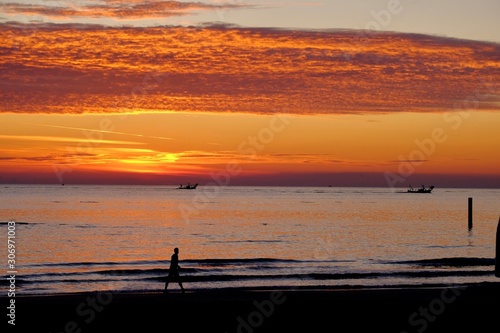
(474, 308)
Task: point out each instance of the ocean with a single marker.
(120, 238)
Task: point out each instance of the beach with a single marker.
(404, 309)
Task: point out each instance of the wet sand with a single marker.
(405, 309)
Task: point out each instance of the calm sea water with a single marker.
(88, 238)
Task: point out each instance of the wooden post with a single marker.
(497, 254)
(470, 213)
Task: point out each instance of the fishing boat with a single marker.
(422, 189)
(188, 187)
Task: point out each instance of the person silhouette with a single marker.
(173, 271)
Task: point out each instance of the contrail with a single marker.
(101, 131)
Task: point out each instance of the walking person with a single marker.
(173, 272)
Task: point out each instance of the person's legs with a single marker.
(168, 280)
(174, 276)
(177, 276)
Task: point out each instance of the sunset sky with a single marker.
(235, 92)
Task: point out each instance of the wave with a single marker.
(453, 262)
(259, 262)
(18, 223)
(94, 263)
(245, 272)
(164, 262)
(253, 271)
(251, 241)
(161, 276)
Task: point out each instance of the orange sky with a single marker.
(180, 147)
(87, 104)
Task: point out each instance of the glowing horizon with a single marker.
(259, 149)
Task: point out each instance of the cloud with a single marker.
(40, 138)
(54, 158)
(99, 132)
(115, 9)
(50, 68)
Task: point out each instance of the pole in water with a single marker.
(470, 213)
(497, 254)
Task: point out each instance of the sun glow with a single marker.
(358, 144)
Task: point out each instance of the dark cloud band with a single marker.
(116, 9)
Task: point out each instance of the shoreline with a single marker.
(247, 310)
(318, 288)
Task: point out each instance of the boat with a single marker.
(422, 189)
(188, 186)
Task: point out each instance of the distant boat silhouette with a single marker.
(188, 186)
(422, 189)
